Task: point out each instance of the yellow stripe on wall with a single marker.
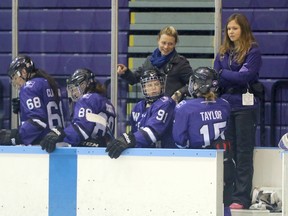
(132, 17)
(131, 40)
(130, 63)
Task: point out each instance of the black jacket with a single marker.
(178, 71)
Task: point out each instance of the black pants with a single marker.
(229, 178)
(241, 132)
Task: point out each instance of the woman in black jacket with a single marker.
(166, 59)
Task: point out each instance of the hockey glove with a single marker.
(117, 146)
(90, 143)
(15, 105)
(177, 96)
(9, 137)
(48, 143)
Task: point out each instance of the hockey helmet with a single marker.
(18, 63)
(202, 81)
(79, 82)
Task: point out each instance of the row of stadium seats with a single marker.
(64, 4)
(63, 42)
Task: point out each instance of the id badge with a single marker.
(247, 99)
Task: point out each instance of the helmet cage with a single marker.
(147, 78)
(79, 82)
(76, 91)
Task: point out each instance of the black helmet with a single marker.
(202, 81)
(80, 80)
(21, 62)
(152, 75)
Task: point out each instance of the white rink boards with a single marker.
(85, 181)
(151, 185)
(149, 182)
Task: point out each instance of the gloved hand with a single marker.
(9, 137)
(16, 105)
(48, 143)
(90, 143)
(177, 96)
(117, 146)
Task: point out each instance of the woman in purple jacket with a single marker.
(238, 63)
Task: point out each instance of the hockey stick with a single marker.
(92, 117)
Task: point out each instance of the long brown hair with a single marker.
(245, 42)
(96, 87)
(210, 96)
(52, 82)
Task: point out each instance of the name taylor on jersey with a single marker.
(211, 115)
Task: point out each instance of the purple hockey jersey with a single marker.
(198, 122)
(80, 129)
(39, 111)
(152, 126)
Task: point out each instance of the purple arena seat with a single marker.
(64, 19)
(279, 131)
(274, 67)
(58, 64)
(7, 109)
(64, 42)
(254, 3)
(278, 110)
(5, 123)
(281, 95)
(267, 83)
(262, 19)
(281, 111)
(272, 43)
(63, 4)
(5, 85)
